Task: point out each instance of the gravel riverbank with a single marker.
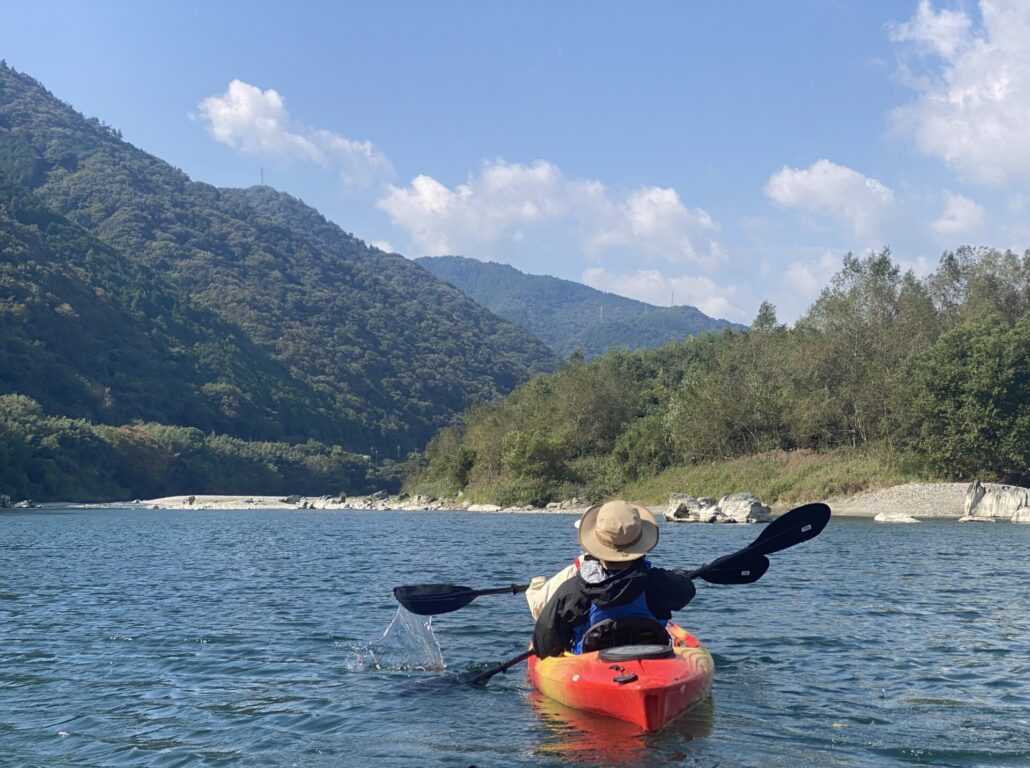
(915, 499)
(924, 500)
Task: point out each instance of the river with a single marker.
(255, 638)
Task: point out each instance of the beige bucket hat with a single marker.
(618, 531)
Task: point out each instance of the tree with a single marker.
(970, 405)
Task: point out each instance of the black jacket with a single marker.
(665, 592)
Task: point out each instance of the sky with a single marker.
(713, 154)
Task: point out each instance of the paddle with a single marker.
(431, 599)
(794, 527)
(744, 566)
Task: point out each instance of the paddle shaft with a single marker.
(504, 666)
(514, 589)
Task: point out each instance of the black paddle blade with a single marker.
(736, 569)
(431, 599)
(798, 525)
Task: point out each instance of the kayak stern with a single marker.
(648, 692)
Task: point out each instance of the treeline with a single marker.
(932, 374)
(47, 458)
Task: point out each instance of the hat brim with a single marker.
(593, 546)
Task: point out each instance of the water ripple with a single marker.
(141, 638)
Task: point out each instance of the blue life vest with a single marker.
(635, 607)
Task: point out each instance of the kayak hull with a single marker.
(662, 689)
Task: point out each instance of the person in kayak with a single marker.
(616, 594)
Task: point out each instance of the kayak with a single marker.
(649, 685)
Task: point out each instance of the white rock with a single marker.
(483, 508)
(745, 508)
(894, 517)
(993, 500)
(683, 508)
(1021, 515)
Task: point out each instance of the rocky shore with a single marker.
(912, 500)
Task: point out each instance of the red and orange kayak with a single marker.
(650, 692)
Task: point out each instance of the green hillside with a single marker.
(885, 377)
(90, 334)
(313, 331)
(570, 316)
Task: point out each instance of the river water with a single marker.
(255, 638)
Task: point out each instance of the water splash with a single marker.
(408, 644)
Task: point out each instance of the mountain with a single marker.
(569, 316)
(280, 312)
(90, 334)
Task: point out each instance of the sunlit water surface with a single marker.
(150, 638)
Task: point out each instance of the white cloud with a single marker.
(944, 33)
(973, 106)
(653, 287)
(256, 122)
(806, 279)
(835, 191)
(961, 215)
(506, 202)
(383, 245)
(655, 220)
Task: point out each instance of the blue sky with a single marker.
(713, 154)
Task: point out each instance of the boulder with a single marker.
(483, 508)
(745, 508)
(894, 517)
(733, 508)
(683, 508)
(995, 501)
(1021, 515)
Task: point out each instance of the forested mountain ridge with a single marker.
(90, 334)
(570, 316)
(393, 352)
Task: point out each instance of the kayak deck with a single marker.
(648, 692)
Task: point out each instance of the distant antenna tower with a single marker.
(262, 175)
(672, 298)
(600, 312)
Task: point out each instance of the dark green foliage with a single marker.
(935, 373)
(971, 401)
(48, 458)
(350, 345)
(567, 315)
(90, 334)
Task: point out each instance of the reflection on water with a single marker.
(580, 737)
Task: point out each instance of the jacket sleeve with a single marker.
(541, 590)
(668, 591)
(567, 607)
